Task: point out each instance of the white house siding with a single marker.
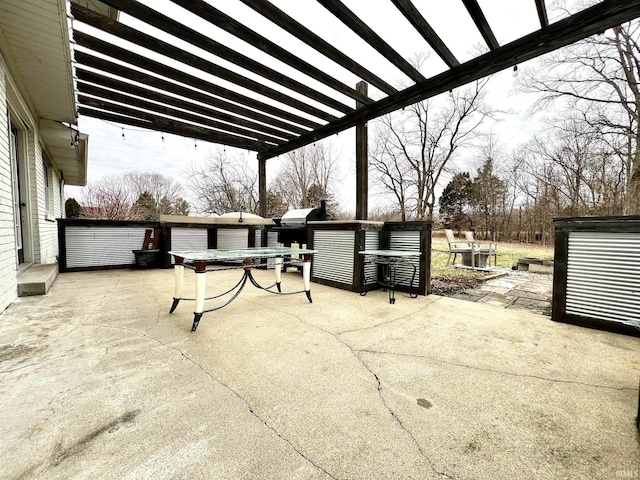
(42, 229)
(47, 227)
(8, 267)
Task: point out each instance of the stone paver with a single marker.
(516, 289)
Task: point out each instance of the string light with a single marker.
(123, 135)
(195, 143)
(451, 93)
(515, 71)
(162, 137)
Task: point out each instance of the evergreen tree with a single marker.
(72, 209)
(455, 202)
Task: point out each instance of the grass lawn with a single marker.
(508, 253)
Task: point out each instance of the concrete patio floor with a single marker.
(97, 380)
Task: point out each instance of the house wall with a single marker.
(45, 233)
(42, 242)
(8, 267)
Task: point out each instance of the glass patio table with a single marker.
(390, 260)
(199, 260)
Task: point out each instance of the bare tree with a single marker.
(110, 198)
(587, 176)
(308, 175)
(414, 148)
(156, 194)
(133, 196)
(223, 184)
(599, 77)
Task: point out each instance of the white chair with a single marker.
(455, 247)
(489, 249)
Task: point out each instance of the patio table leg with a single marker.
(179, 275)
(278, 272)
(391, 271)
(306, 275)
(201, 282)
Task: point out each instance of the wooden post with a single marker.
(362, 163)
(262, 187)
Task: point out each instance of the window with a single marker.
(48, 191)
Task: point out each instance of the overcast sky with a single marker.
(144, 150)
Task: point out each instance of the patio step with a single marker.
(37, 279)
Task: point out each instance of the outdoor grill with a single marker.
(293, 226)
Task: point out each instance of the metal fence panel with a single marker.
(334, 260)
(96, 246)
(406, 241)
(603, 276)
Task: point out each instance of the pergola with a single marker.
(281, 113)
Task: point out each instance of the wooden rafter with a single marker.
(231, 25)
(164, 48)
(164, 105)
(481, 22)
(302, 33)
(411, 13)
(127, 56)
(351, 20)
(267, 125)
(200, 40)
(542, 13)
(557, 35)
(141, 119)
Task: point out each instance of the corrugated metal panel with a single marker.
(272, 240)
(371, 242)
(233, 237)
(603, 276)
(406, 241)
(102, 246)
(258, 238)
(188, 238)
(334, 260)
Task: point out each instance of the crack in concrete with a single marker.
(379, 389)
(264, 422)
(501, 372)
(229, 388)
(389, 321)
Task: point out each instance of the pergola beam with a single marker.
(267, 123)
(411, 13)
(165, 110)
(236, 28)
(542, 13)
(481, 22)
(149, 42)
(302, 33)
(559, 34)
(127, 56)
(128, 116)
(351, 20)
